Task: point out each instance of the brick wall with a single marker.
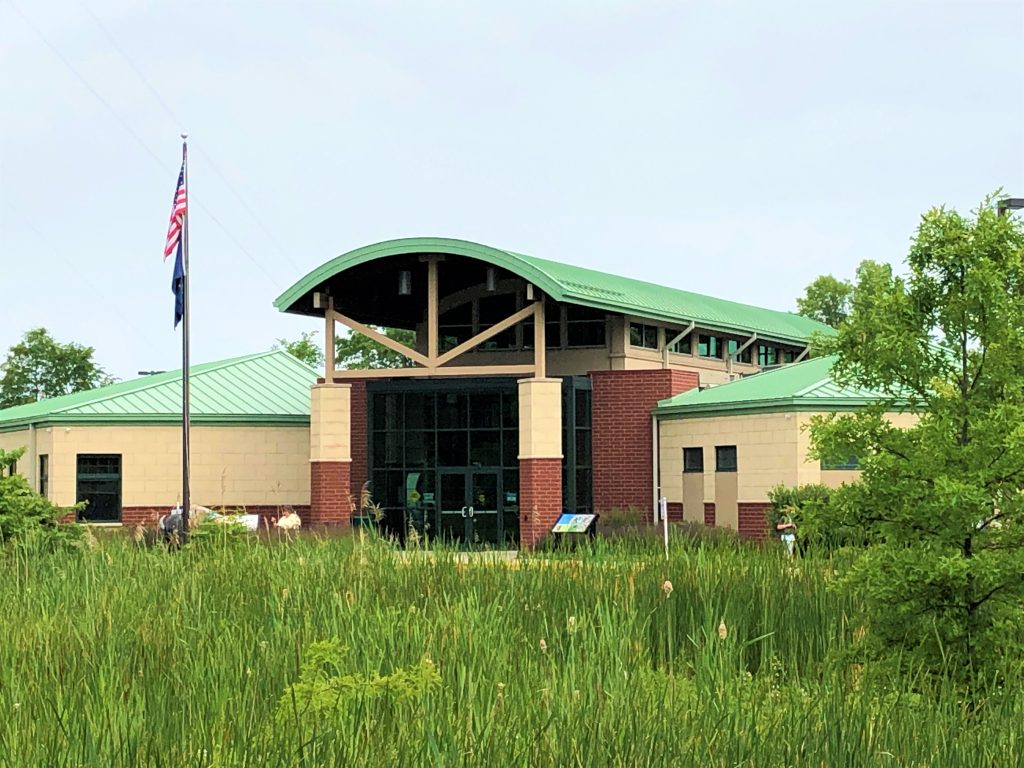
(360, 439)
(623, 453)
(330, 493)
(540, 499)
(675, 511)
(753, 520)
(709, 514)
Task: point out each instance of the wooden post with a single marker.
(539, 341)
(329, 342)
(432, 310)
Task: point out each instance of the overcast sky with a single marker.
(737, 149)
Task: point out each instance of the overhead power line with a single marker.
(142, 143)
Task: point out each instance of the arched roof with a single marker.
(577, 285)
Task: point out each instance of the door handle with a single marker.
(471, 512)
(463, 511)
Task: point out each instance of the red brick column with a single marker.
(330, 497)
(623, 453)
(360, 439)
(709, 514)
(540, 499)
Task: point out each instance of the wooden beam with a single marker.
(803, 354)
(433, 312)
(539, 340)
(739, 350)
(457, 299)
(329, 338)
(380, 338)
(426, 373)
(484, 335)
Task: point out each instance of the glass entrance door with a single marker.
(469, 507)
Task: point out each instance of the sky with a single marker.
(737, 149)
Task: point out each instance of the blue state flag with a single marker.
(178, 287)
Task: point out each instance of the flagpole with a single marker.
(186, 505)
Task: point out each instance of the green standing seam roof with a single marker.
(587, 287)
(806, 386)
(265, 388)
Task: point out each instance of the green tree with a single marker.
(941, 501)
(304, 348)
(38, 367)
(827, 300)
(356, 351)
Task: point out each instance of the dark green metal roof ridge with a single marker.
(532, 269)
(799, 404)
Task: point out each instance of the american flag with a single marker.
(178, 212)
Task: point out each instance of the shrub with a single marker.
(26, 517)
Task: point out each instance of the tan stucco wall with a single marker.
(230, 465)
(330, 423)
(12, 441)
(771, 448)
(766, 451)
(540, 419)
(693, 497)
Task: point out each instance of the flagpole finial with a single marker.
(184, 137)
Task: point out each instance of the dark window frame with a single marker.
(712, 344)
(644, 333)
(43, 480)
(690, 466)
(852, 463)
(722, 461)
(99, 477)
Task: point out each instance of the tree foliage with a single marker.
(352, 351)
(38, 367)
(356, 351)
(304, 348)
(941, 501)
(827, 300)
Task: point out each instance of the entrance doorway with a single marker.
(470, 508)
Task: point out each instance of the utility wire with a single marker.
(142, 143)
(174, 118)
(83, 275)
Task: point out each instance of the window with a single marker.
(851, 463)
(709, 346)
(584, 327)
(742, 357)
(11, 467)
(725, 458)
(99, 484)
(44, 475)
(684, 346)
(787, 355)
(765, 355)
(693, 459)
(644, 336)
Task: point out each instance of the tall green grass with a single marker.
(125, 656)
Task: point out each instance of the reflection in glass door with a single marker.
(453, 525)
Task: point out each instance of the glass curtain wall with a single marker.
(444, 458)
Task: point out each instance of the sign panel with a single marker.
(569, 523)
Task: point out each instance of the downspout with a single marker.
(655, 467)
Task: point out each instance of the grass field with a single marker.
(337, 652)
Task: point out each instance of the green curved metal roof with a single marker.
(265, 388)
(587, 287)
(806, 386)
